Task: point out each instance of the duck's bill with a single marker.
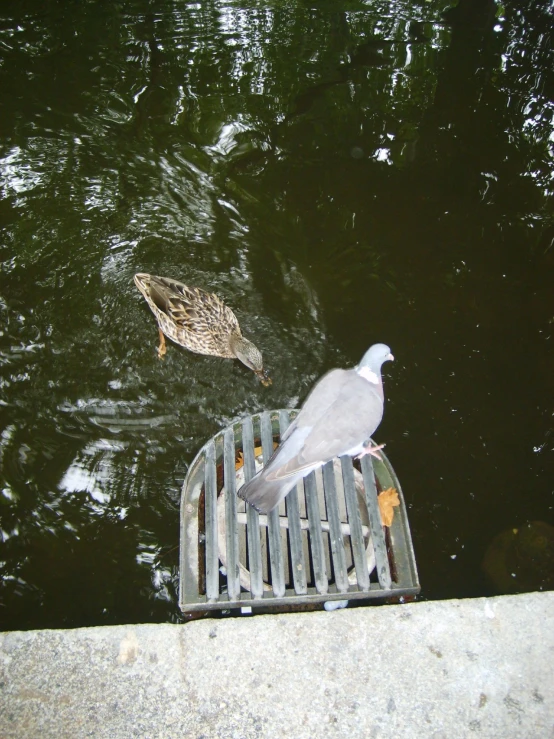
(264, 378)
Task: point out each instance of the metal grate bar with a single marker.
(297, 563)
(231, 528)
(316, 538)
(337, 545)
(354, 519)
(212, 556)
(275, 551)
(252, 515)
(381, 558)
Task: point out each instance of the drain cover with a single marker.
(324, 542)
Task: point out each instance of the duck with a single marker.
(199, 321)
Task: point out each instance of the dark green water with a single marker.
(340, 173)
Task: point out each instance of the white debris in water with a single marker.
(334, 605)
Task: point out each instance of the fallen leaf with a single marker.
(388, 500)
(239, 459)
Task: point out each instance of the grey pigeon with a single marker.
(339, 416)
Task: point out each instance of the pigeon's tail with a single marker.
(264, 494)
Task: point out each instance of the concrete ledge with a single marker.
(482, 668)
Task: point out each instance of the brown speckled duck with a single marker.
(199, 321)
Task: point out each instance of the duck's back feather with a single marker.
(190, 316)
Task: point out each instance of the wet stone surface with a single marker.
(437, 669)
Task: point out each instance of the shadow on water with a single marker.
(339, 176)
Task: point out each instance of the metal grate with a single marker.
(324, 542)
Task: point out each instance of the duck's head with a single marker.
(250, 355)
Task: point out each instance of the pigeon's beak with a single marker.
(390, 357)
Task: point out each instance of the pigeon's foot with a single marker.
(371, 450)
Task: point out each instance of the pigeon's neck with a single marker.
(369, 375)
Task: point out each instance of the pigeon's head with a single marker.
(373, 359)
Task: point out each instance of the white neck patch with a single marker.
(369, 375)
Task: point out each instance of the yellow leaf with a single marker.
(239, 459)
(388, 500)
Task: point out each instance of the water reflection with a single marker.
(337, 176)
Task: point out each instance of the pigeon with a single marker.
(339, 416)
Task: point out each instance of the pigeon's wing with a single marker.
(316, 405)
(337, 428)
(354, 416)
(322, 396)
